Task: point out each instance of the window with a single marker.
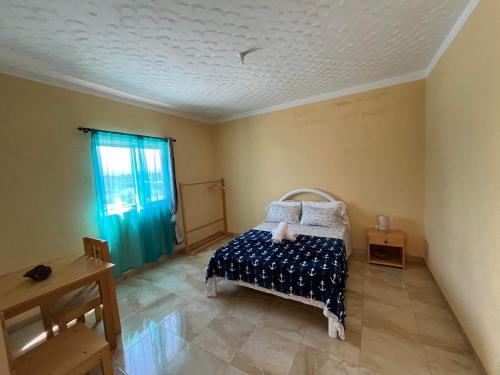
(135, 195)
(156, 176)
(119, 191)
(133, 176)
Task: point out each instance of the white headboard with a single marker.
(322, 194)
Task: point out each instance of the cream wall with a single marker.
(365, 149)
(46, 188)
(463, 179)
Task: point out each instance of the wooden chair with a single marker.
(76, 304)
(75, 351)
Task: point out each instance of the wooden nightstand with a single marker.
(389, 246)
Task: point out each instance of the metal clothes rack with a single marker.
(197, 246)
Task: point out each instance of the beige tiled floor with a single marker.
(397, 323)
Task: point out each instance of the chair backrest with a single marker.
(5, 358)
(96, 248)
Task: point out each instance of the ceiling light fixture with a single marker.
(242, 54)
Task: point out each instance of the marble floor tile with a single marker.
(191, 287)
(189, 320)
(440, 332)
(357, 272)
(124, 312)
(364, 371)
(150, 275)
(385, 277)
(143, 297)
(231, 370)
(266, 352)
(430, 295)
(355, 284)
(126, 286)
(432, 311)
(356, 267)
(185, 267)
(288, 320)
(379, 291)
(395, 320)
(219, 303)
(342, 350)
(195, 361)
(151, 354)
(199, 262)
(228, 289)
(383, 353)
(308, 361)
(204, 256)
(224, 336)
(243, 304)
(27, 338)
(332, 366)
(354, 311)
(311, 361)
(90, 318)
(226, 294)
(418, 275)
(443, 362)
(134, 328)
(98, 371)
(163, 279)
(163, 308)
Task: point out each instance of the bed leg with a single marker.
(211, 287)
(332, 327)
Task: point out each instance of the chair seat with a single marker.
(74, 351)
(83, 299)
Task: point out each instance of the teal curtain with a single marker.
(133, 187)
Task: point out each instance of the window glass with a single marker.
(155, 173)
(120, 177)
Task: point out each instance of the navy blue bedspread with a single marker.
(311, 267)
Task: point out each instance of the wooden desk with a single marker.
(19, 294)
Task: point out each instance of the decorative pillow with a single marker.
(287, 211)
(324, 214)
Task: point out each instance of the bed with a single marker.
(311, 270)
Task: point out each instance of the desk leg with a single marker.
(116, 312)
(5, 355)
(107, 302)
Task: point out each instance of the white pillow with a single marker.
(287, 211)
(324, 214)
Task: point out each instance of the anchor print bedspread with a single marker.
(311, 267)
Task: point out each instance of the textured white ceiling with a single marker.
(183, 53)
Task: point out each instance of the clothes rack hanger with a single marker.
(216, 186)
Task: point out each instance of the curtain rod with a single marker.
(87, 130)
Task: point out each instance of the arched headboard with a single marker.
(322, 194)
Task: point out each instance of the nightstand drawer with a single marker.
(387, 241)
